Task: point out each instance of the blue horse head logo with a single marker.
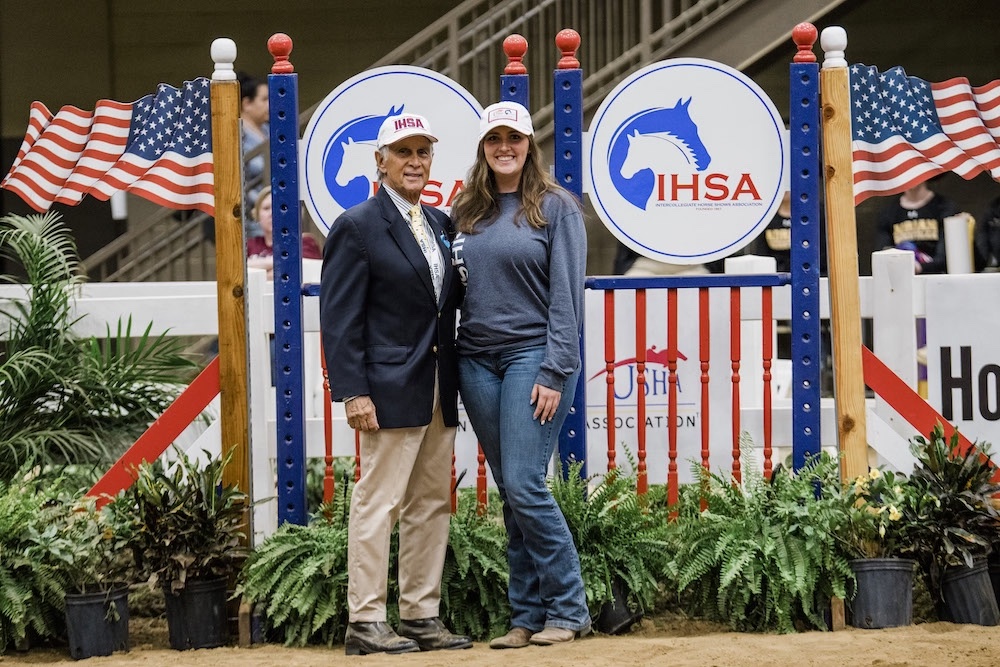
(654, 141)
(347, 158)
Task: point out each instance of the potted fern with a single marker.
(622, 546)
(31, 590)
(952, 522)
(875, 536)
(87, 550)
(762, 555)
(474, 578)
(298, 575)
(184, 528)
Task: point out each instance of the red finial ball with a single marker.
(568, 41)
(280, 46)
(804, 36)
(515, 46)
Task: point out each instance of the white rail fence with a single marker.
(893, 298)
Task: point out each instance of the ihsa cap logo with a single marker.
(338, 147)
(688, 161)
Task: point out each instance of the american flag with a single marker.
(906, 130)
(159, 148)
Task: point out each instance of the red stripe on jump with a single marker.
(907, 402)
(160, 433)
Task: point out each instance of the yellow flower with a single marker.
(881, 531)
(898, 490)
(875, 474)
(894, 514)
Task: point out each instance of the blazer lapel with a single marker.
(401, 233)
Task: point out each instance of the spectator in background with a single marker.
(260, 249)
(987, 238)
(915, 221)
(624, 259)
(254, 109)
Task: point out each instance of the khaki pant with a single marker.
(405, 477)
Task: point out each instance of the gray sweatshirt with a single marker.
(524, 286)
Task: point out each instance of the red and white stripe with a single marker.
(76, 153)
(968, 145)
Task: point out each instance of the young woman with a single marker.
(260, 249)
(521, 253)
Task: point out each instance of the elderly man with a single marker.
(387, 309)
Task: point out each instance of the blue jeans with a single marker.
(546, 588)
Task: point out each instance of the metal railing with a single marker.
(466, 45)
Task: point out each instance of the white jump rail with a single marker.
(893, 297)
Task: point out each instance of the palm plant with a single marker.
(64, 399)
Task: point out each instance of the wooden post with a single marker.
(230, 260)
(842, 249)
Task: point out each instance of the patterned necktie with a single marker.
(417, 224)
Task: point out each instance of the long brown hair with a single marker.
(477, 202)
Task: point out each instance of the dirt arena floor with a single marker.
(659, 641)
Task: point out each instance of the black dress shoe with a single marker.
(432, 635)
(377, 637)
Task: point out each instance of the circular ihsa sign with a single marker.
(338, 147)
(688, 161)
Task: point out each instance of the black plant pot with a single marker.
(97, 622)
(968, 595)
(884, 598)
(616, 617)
(994, 567)
(196, 617)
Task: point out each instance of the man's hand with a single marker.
(361, 414)
(546, 401)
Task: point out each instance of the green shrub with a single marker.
(181, 522)
(474, 581)
(31, 590)
(762, 556)
(615, 535)
(86, 546)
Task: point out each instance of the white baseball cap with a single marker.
(396, 128)
(505, 114)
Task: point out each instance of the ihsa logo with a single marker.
(338, 164)
(687, 161)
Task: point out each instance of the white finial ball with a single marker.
(833, 38)
(224, 55)
(834, 42)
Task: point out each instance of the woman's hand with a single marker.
(546, 402)
(266, 263)
(361, 414)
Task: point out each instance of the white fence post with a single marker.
(260, 321)
(895, 341)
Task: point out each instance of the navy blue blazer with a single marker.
(384, 334)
